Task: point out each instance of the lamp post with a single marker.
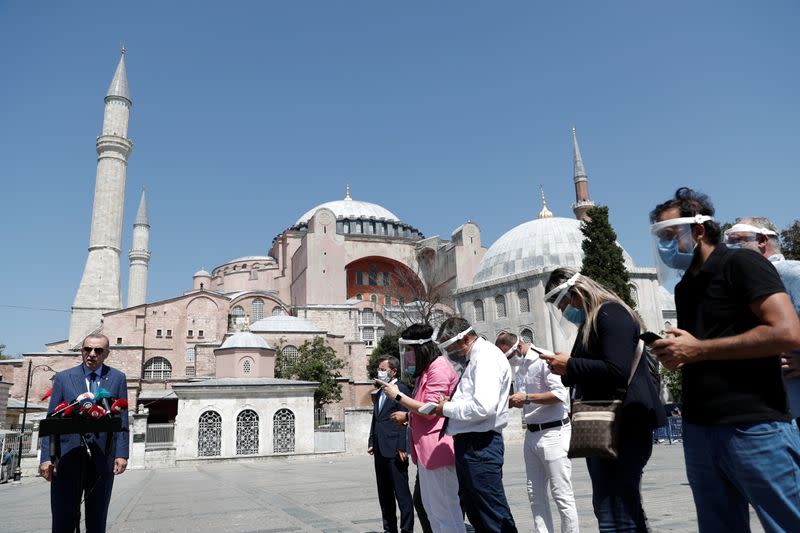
(31, 368)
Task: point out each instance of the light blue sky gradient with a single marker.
(247, 114)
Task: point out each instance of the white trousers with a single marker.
(548, 468)
(440, 497)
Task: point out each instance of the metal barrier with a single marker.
(160, 436)
(672, 432)
(329, 419)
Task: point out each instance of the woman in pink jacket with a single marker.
(430, 451)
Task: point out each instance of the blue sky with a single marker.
(247, 114)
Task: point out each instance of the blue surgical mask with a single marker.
(735, 246)
(410, 370)
(672, 256)
(574, 315)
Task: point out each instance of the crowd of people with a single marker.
(737, 346)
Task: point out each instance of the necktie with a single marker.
(381, 399)
(92, 382)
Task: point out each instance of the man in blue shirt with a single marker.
(8, 465)
(761, 235)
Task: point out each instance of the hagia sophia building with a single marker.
(347, 270)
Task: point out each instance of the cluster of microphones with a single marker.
(95, 405)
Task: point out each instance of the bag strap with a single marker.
(636, 358)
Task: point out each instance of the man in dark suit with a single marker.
(389, 446)
(79, 470)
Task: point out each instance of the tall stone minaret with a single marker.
(582, 201)
(139, 256)
(99, 291)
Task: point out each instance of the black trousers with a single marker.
(391, 475)
(78, 475)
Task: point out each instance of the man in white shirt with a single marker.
(545, 404)
(476, 415)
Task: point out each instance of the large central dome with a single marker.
(351, 209)
(536, 246)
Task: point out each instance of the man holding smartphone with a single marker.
(545, 404)
(734, 317)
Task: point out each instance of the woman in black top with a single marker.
(598, 368)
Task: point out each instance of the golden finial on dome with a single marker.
(347, 192)
(544, 213)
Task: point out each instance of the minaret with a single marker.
(139, 256)
(544, 213)
(99, 291)
(582, 201)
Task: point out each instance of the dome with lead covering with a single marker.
(245, 339)
(351, 209)
(539, 245)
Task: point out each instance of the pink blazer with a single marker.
(426, 446)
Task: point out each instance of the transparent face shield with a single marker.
(456, 355)
(564, 318)
(408, 356)
(673, 248)
(746, 236)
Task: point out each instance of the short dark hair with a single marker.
(424, 354)
(452, 327)
(504, 338)
(691, 203)
(394, 363)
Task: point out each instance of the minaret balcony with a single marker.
(583, 203)
(114, 143)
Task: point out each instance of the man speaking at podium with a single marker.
(88, 463)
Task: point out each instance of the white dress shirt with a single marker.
(533, 377)
(480, 402)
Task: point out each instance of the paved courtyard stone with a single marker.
(321, 494)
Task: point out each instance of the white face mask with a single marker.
(383, 375)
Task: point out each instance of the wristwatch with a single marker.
(527, 401)
(397, 398)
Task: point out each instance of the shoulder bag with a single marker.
(595, 423)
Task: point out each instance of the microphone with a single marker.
(119, 405)
(104, 395)
(79, 399)
(60, 408)
(95, 411)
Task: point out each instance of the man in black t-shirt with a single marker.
(734, 318)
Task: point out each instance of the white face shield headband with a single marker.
(564, 331)
(508, 352)
(737, 235)
(408, 357)
(449, 342)
(673, 248)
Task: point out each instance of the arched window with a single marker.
(500, 305)
(247, 433)
(247, 366)
(526, 335)
(373, 275)
(289, 354)
(359, 296)
(373, 298)
(524, 302)
(634, 294)
(258, 309)
(209, 434)
(238, 311)
(367, 316)
(283, 431)
(346, 226)
(277, 310)
(479, 316)
(157, 368)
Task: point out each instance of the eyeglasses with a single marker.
(738, 239)
(88, 349)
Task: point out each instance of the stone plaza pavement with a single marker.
(322, 493)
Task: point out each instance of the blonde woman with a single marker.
(598, 368)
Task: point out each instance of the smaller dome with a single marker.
(245, 339)
(202, 273)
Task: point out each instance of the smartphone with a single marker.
(427, 409)
(541, 351)
(649, 337)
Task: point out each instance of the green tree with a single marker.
(672, 380)
(315, 361)
(4, 355)
(602, 256)
(790, 241)
(386, 346)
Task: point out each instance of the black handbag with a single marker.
(595, 423)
